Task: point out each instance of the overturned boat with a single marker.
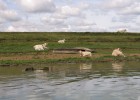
(72, 50)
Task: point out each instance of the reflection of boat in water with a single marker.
(117, 66)
(39, 73)
(32, 69)
(85, 67)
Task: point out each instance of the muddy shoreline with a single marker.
(31, 58)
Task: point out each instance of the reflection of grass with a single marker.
(70, 60)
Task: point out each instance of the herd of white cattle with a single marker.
(41, 47)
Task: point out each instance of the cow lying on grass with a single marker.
(61, 41)
(40, 47)
(117, 52)
(85, 53)
(122, 30)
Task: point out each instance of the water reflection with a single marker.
(85, 67)
(70, 81)
(118, 66)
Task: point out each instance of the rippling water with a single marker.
(82, 81)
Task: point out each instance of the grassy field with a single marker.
(13, 44)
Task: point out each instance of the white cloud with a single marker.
(124, 19)
(11, 29)
(9, 15)
(38, 5)
(69, 15)
(82, 22)
(63, 28)
(134, 9)
(61, 19)
(1, 20)
(58, 15)
(2, 5)
(122, 7)
(121, 13)
(52, 20)
(70, 11)
(85, 6)
(55, 24)
(117, 3)
(6, 14)
(22, 26)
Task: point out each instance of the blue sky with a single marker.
(69, 15)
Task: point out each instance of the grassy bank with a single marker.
(69, 60)
(23, 42)
(18, 44)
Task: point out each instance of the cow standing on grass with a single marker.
(117, 52)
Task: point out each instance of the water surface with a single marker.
(72, 81)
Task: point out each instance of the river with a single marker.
(71, 81)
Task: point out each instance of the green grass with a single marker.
(28, 46)
(102, 43)
(69, 60)
(24, 42)
(94, 37)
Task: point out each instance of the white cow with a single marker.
(85, 53)
(117, 52)
(122, 30)
(61, 41)
(40, 47)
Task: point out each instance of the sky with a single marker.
(69, 15)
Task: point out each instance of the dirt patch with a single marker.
(134, 54)
(42, 56)
(36, 56)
